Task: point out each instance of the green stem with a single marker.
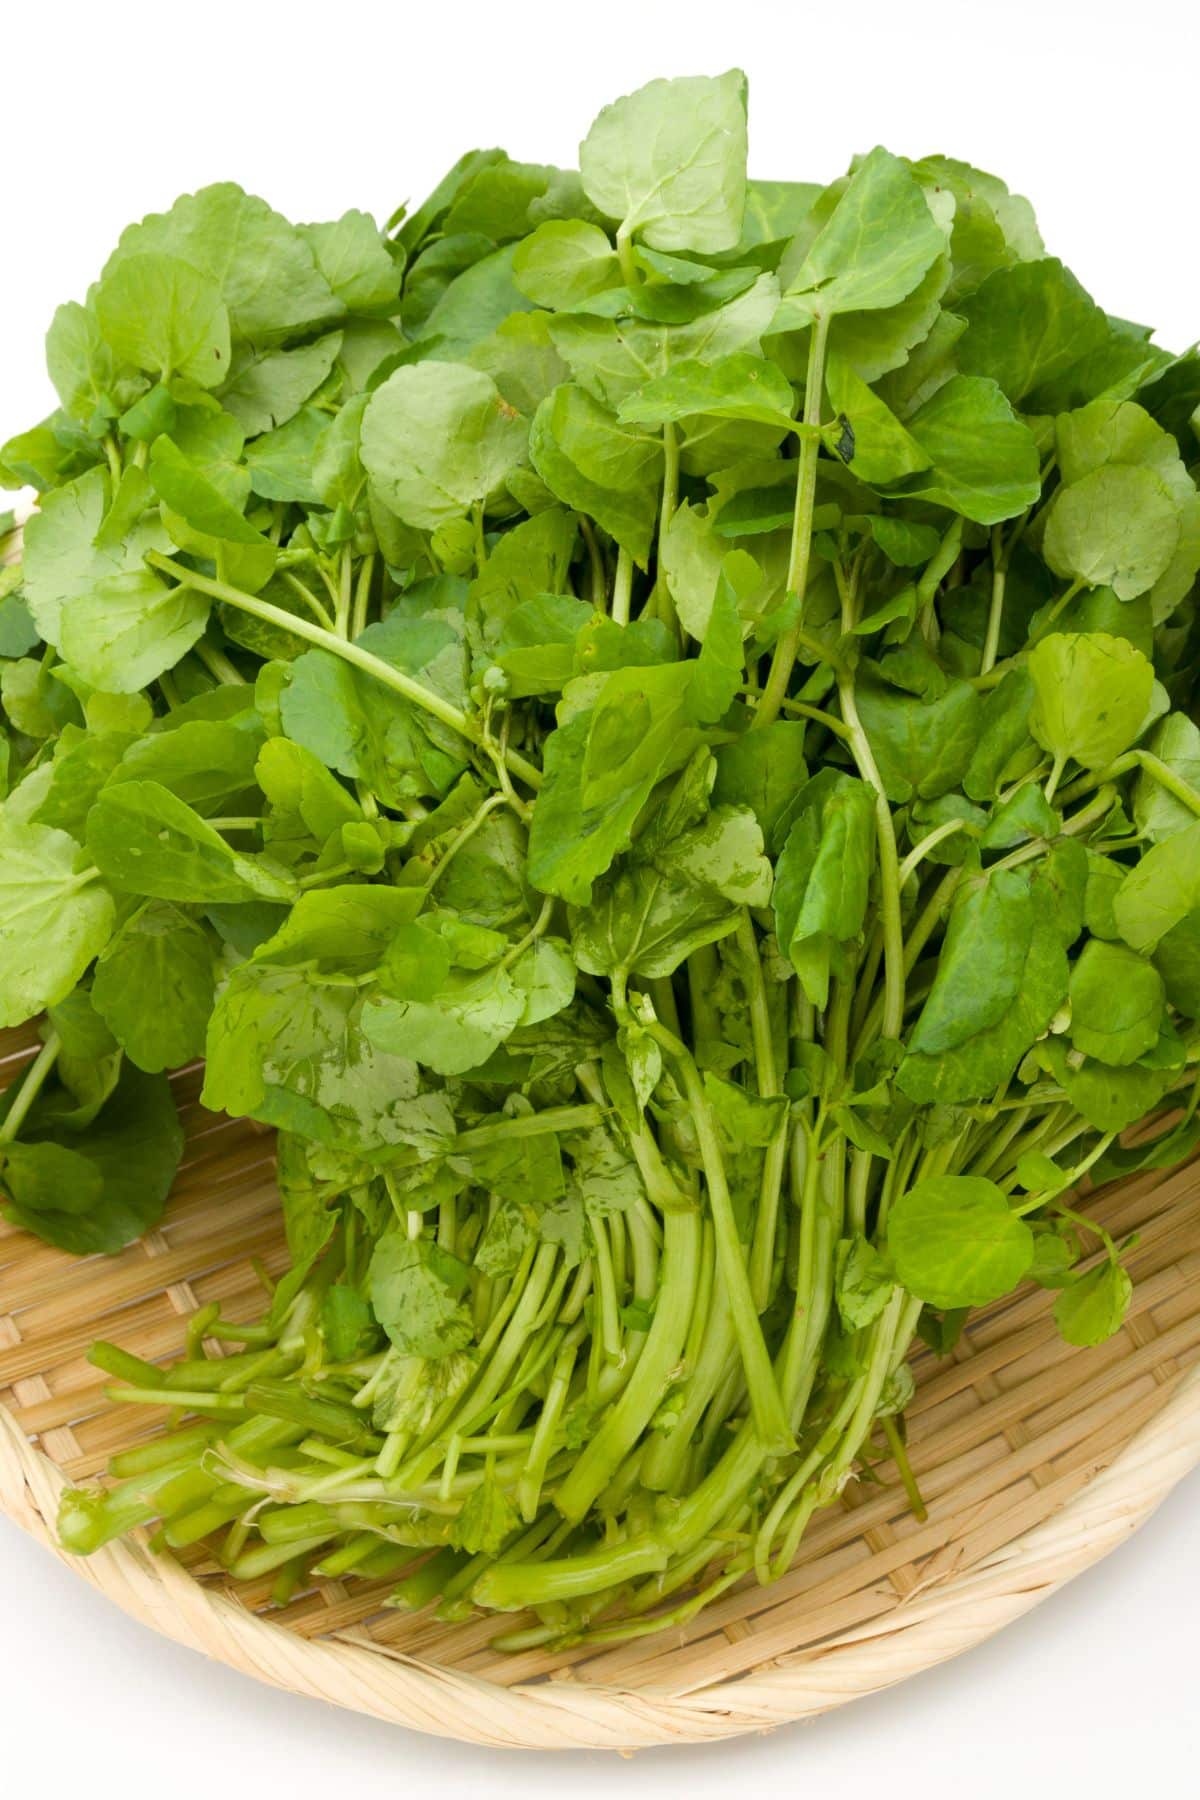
(362, 597)
(770, 1422)
(625, 1422)
(991, 642)
(31, 1083)
(622, 587)
(219, 665)
(806, 488)
(375, 666)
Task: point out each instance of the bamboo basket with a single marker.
(1035, 1460)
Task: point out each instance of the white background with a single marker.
(110, 111)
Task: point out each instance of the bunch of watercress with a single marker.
(643, 719)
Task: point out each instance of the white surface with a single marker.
(109, 112)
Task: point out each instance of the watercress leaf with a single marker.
(863, 1283)
(982, 962)
(162, 314)
(865, 433)
(65, 554)
(599, 467)
(416, 1290)
(437, 439)
(1002, 736)
(545, 976)
(131, 1148)
(265, 388)
(154, 987)
(1117, 1002)
(1091, 696)
(1109, 1098)
(127, 629)
(740, 386)
(78, 361)
(764, 770)
(565, 261)
(53, 919)
(1093, 1307)
(871, 251)
(823, 874)
(668, 162)
(954, 1241)
(1028, 324)
(280, 461)
(1177, 959)
(984, 459)
(455, 1031)
(353, 257)
(1116, 527)
(922, 746)
(1157, 812)
(1160, 890)
(146, 841)
(263, 270)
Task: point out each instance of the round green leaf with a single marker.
(1094, 1307)
(1117, 1002)
(436, 439)
(954, 1241)
(1117, 527)
(1092, 695)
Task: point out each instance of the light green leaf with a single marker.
(127, 629)
(1093, 1308)
(740, 386)
(1091, 696)
(873, 249)
(954, 1241)
(437, 439)
(163, 315)
(565, 261)
(1117, 1002)
(1160, 890)
(154, 987)
(1116, 527)
(53, 920)
(669, 162)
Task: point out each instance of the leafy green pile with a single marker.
(644, 721)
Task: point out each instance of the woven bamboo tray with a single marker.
(1035, 1459)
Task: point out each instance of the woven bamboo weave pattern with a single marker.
(1035, 1459)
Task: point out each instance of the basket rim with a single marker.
(925, 1629)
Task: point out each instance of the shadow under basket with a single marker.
(1035, 1460)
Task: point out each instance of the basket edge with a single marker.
(919, 1633)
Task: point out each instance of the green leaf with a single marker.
(733, 387)
(78, 361)
(1026, 325)
(565, 261)
(954, 1241)
(53, 920)
(1116, 1003)
(1157, 813)
(1117, 527)
(984, 459)
(352, 256)
(597, 466)
(922, 746)
(764, 770)
(263, 270)
(147, 842)
(872, 250)
(416, 1291)
(866, 434)
(822, 877)
(1091, 696)
(112, 1182)
(266, 388)
(437, 439)
(162, 314)
(864, 1282)
(458, 1029)
(1093, 1307)
(65, 555)
(154, 987)
(668, 162)
(1160, 890)
(127, 629)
